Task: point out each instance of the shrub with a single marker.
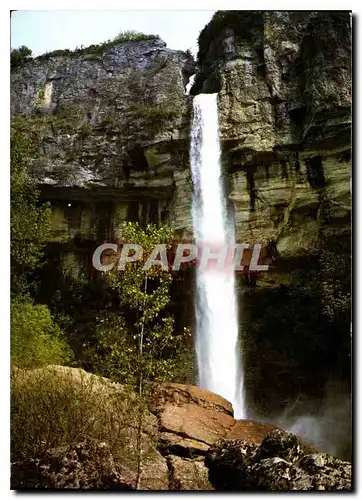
(128, 36)
(85, 129)
(19, 56)
(57, 406)
(36, 339)
(115, 354)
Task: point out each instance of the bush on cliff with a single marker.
(19, 56)
(131, 35)
(156, 118)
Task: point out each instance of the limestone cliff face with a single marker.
(284, 83)
(113, 128)
(112, 131)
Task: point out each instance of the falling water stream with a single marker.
(217, 349)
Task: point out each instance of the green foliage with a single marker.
(98, 49)
(19, 56)
(140, 343)
(85, 129)
(36, 340)
(30, 222)
(108, 121)
(156, 113)
(131, 35)
(152, 347)
(25, 125)
(58, 406)
(115, 353)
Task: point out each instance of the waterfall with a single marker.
(217, 349)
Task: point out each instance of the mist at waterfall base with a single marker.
(217, 345)
(326, 422)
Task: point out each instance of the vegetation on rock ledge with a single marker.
(99, 49)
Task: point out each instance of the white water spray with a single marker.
(217, 347)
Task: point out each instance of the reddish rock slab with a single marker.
(250, 431)
(194, 422)
(180, 394)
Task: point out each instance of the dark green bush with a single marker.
(298, 332)
(19, 56)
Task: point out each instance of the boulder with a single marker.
(85, 465)
(191, 419)
(192, 422)
(188, 475)
(250, 431)
(181, 446)
(76, 376)
(284, 445)
(282, 462)
(155, 473)
(229, 463)
(320, 471)
(180, 394)
(189, 441)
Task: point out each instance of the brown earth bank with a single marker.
(190, 441)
